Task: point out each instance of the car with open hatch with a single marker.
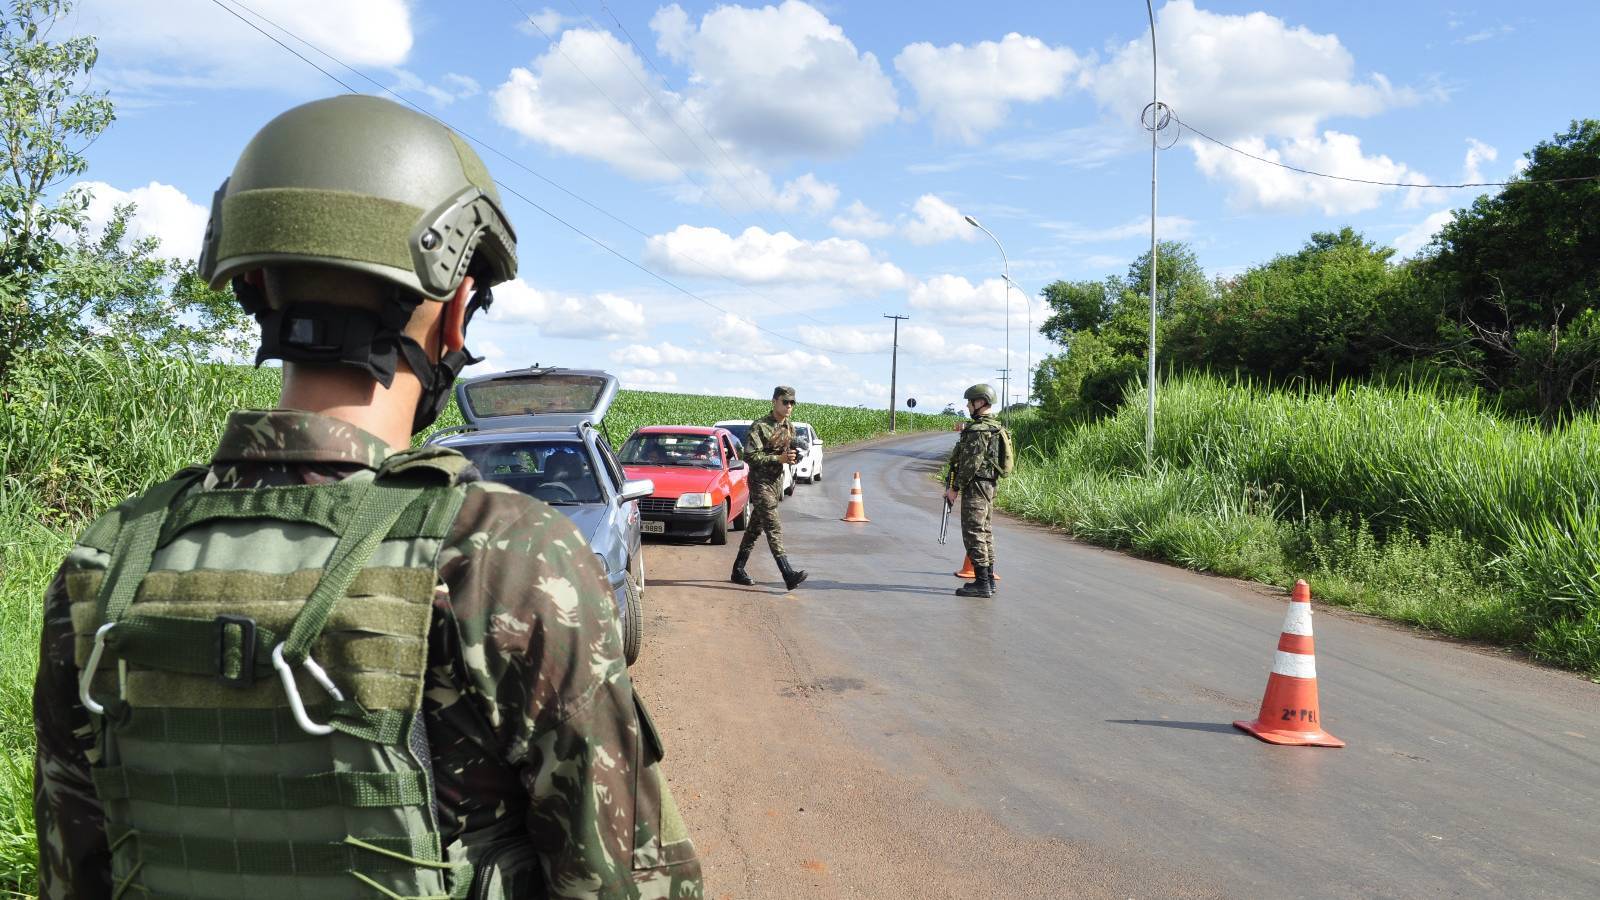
(537, 430)
(740, 429)
(702, 486)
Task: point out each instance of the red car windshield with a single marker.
(697, 451)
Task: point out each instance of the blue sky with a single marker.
(804, 169)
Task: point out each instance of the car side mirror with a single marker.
(634, 490)
(737, 465)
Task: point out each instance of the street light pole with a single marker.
(894, 367)
(1027, 371)
(1006, 277)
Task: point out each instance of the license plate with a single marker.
(649, 527)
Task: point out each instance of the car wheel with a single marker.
(816, 476)
(633, 625)
(742, 521)
(719, 528)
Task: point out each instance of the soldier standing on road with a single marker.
(770, 447)
(326, 665)
(981, 457)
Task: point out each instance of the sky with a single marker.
(735, 196)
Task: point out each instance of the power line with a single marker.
(1472, 184)
(510, 190)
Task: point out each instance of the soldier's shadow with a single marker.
(869, 588)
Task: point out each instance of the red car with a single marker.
(702, 487)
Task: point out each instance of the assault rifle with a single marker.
(944, 523)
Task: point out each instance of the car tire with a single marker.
(633, 624)
(816, 476)
(719, 527)
(742, 521)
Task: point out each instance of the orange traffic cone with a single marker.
(857, 510)
(1289, 710)
(966, 570)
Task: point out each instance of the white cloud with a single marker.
(953, 300)
(760, 257)
(1259, 186)
(1171, 228)
(600, 316)
(1418, 236)
(934, 221)
(1478, 153)
(1252, 80)
(653, 355)
(448, 89)
(148, 45)
(546, 21)
(858, 220)
(783, 79)
(808, 192)
(969, 90)
(916, 339)
(162, 211)
(648, 379)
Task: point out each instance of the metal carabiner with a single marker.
(296, 705)
(89, 670)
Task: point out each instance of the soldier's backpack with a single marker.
(1007, 454)
(253, 660)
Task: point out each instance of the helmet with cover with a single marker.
(980, 392)
(362, 185)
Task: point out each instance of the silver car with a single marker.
(536, 430)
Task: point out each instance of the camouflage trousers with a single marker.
(764, 499)
(977, 503)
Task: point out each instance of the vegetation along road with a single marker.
(872, 735)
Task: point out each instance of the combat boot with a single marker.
(740, 576)
(981, 585)
(791, 578)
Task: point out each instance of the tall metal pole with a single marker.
(1006, 275)
(1155, 123)
(1027, 372)
(894, 367)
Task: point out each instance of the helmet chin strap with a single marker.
(370, 340)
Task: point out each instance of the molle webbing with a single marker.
(263, 791)
(177, 725)
(288, 858)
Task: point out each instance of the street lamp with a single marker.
(1006, 276)
(1027, 370)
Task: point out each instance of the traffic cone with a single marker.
(1289, 710)
(857, 510)
(966, 570)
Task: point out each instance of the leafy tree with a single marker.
(1520, 272)
(47, 120)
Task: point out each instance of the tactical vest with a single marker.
(254, 661)
(993, 458)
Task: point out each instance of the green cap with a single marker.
(361, 183)
(783, 392)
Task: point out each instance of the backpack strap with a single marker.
(134, 547)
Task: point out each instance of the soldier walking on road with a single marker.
(324, 664)
(981, 457)
(770, 447)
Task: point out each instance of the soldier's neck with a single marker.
(352, 396)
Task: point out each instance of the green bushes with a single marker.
(1422, 508)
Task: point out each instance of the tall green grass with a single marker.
(1422, 508)
(84, 428)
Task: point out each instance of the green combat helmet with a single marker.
(364, 185)
(980, 392)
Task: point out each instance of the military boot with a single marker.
(981, 586)
(791, 578)
(740, 576)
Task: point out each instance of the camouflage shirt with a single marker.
(527, 701)
(769, 440)
(978, 452)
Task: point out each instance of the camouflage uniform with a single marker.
(527, 703)
(974, 468)
(769, 440)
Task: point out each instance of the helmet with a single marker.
(980, 392)
(364, 184)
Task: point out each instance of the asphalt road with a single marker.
(1088, 706)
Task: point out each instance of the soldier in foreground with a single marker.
(771, 445)
(981, 457)
(324, 665)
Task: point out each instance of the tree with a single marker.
(47, 120)
(1520, 271)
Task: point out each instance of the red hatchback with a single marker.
(702, 487)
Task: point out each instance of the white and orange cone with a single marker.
(1290, 713)
(967, 572)
(857, 510)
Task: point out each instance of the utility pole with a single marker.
(1005, 389)
(1155, 117)
(894, 367)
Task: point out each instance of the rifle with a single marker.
(944, 523)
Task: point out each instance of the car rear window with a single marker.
(535, 394)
